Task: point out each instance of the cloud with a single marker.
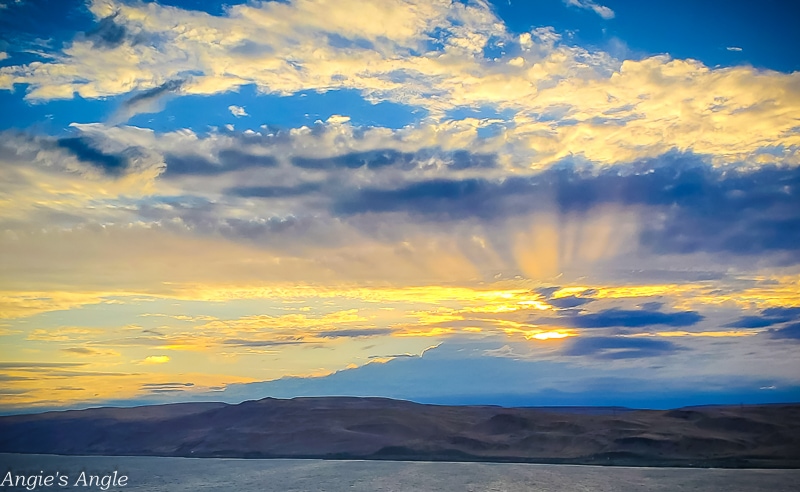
(107, 34)
(566, 101)
(63, 334)
(168, 387)
(602, 11)
(34, 366)
(274, 191)
(634, 379)
(769, 317)
(89, 352)
(147, 101)
(790, 332)
(155, 359)
(622, 318)
(634, 319)
(373, 159)
(262, 343)
(567, 302)
(237, 111)
(619, 347)
(227, 160)
(82, 149)
(366, 332)
(733, 48)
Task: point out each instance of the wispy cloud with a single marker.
(601, 10)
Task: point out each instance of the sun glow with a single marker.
(550, 335)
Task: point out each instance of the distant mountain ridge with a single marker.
(379, 428)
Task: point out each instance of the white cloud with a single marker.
(733, 48)
(237, 111)
(336, 118)
(601, 10)
(618, 110)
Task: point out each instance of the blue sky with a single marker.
(592, 202)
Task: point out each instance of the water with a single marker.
(189, 474)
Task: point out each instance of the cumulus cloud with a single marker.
(237, 111)
(567, 101)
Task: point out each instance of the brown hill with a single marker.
(377, 428)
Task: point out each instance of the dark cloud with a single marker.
(461, 159)
(769, 317)
(547, 291)
(445, 198)
(652, 305)
(153, 94)
(107, 34)
(569, 301)
(619, 347)
(235, 159)
(229, 160)
(239, 342)
(783, 312)
(625, 318)
(254, 229)
(161, 385)
(83, 150)
(80, 350)
(166, 387)
(791, 332)
(392, 356)
(701, 209)
(273, 191)
(376, 159)
(373, 159)
(368, 332)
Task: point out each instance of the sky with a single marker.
(553, 202)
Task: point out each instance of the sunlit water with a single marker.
(187, 474)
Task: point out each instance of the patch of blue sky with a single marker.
(213, 7)
(484, 113)
(200, 113)
(43, 24)
(51, 117)
(342, 42)
(702, 31)
(491, 130)
(495, 48)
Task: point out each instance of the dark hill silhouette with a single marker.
(378, 428)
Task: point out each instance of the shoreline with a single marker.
(646, 464)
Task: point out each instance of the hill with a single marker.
(378, 428)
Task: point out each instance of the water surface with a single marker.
(190, 474)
